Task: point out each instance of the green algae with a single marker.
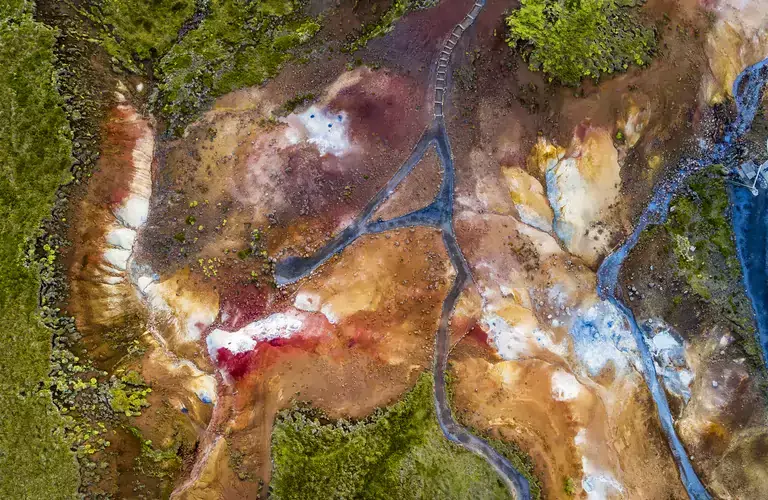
(571, 40)
(35, 155)
(398, 452)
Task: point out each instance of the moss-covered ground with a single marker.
(196, 51)
(57, 409)
(697, 244)
(238, 44)
(398, 452)
(35, 156)
(138, 30)
(386, 23)
(519, 459)
(702, 240)
(571, 40)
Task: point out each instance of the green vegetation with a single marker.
(702, 245)
(239, 44)
(35, 155)
(701, 232)
(511, 451)
(516, 456)
(137, 30)
(398, 452)
(49, 113)
(572, 39)
(50, 109)
(569, 487)
(199, 50)
(14, 9)
(291, 104)
(153, 462)
(128, 394)
(387, 21)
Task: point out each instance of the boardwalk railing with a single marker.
(441, 77)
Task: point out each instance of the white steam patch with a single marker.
(278, 325)
(143, 282)
(325, 130)
(312, 302)
(235, 342)
(307, 301)
(569, 198)
(117, 258)
(330, 314)
(601, 334)
(134, 210)
(668, 352)
(565, 387)
(532, 218)
(202, 384)
(122, 237)
(515, 342)
(597, 483)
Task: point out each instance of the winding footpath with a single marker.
(438, 214)
(747, 91)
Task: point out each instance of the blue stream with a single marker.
(750, 227)
(747, 90)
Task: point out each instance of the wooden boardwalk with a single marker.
(441, 76)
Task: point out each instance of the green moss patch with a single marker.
(519, 459)
(35, 155)
(137, 30)
(698, 241)
(701, 234)
(128, 394)
(701, 229)
(386, 22)
(573, 39)
(197, 50)
(398, 452)
(239, 44)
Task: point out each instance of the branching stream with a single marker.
(747, 90)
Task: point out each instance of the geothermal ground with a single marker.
(364, 250)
